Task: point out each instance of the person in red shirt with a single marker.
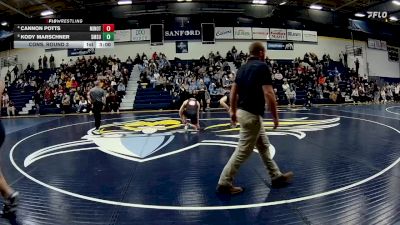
(48, 96)
(155, 56)
(74, 84)
(321, 79)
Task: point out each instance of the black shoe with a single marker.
(229, 190)
(10, 204)
(283, 180)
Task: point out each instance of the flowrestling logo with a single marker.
(377, 15)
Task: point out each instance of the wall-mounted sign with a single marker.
(260, 33)
(277, 34)
(224, 33)
(280, 45)
(294, 35)
(122, 35)
(178, 34)
(140, 35)
(182, 47)
(242, 33)
(377, 44)
(393, 53)
(310, 36)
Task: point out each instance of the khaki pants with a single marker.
(252, 133)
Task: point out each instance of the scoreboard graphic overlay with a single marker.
(64, 35)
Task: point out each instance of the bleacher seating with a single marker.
(49, 109)
(151, 98)
(20, 96)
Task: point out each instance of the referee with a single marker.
(251, 90)
(97, 96)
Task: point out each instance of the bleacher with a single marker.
(20, 96)
(151, 98)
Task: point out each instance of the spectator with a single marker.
(83, 105)
(355, 95)
(291, 96)
(383, 95)
(285, 86)
(5, 100)
(44, 62)
(396, 92)
(357, 64)
(38, 100)
(113, 102)
(11, 108)
(52, 64)
(66, 103)
(40, 62)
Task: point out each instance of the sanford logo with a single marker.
(181, 33)
(379, 15)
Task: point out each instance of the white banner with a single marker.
(277, 34)
(141, 35)
(384, 45)
(371, 43)
(260, 33)
(242, 33)
(310, 36)
(224, 33)
(122, 35)
(294, 35)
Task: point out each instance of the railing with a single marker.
(8, 61)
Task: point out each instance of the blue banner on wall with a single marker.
(80, 51)
(280, 46)
(359, 25)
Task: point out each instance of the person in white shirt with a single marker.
(383, 95)
(285, 86)
(355, 95)
(83, 105)
(291, 96)
(114, 67)
(389, 93)
(396, 92)
(5, 99)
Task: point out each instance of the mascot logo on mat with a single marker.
(142, 140)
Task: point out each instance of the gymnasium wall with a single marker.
(380, 66)
(378, 60)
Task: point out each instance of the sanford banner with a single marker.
(183, 32)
